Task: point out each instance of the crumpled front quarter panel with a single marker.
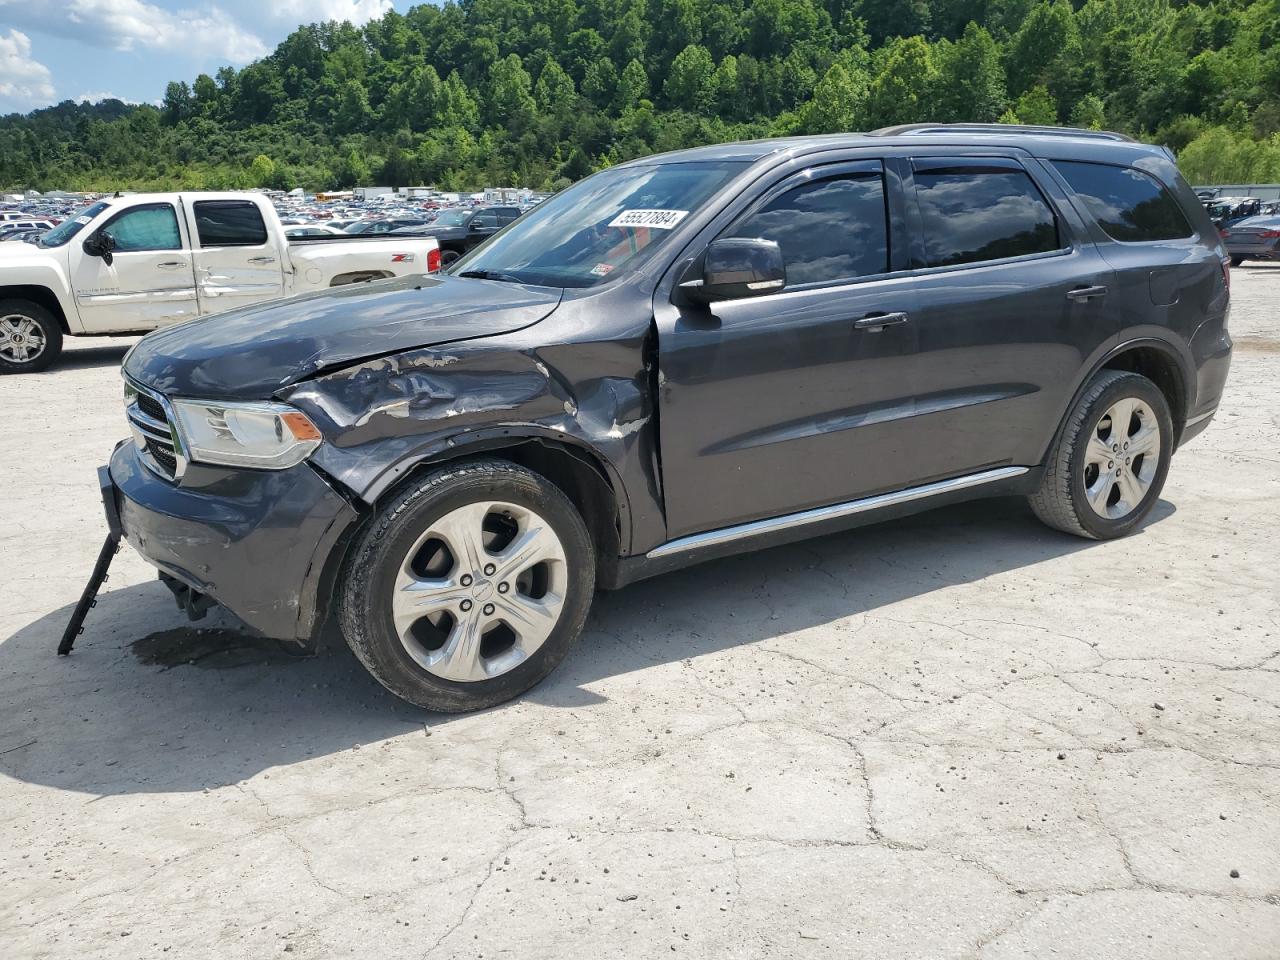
(558, 381)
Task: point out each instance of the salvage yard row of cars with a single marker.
(677, 358)
(1250, 227)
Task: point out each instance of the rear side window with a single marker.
(1128, 204)
(229, 223)
(973, 213)
(829, 229)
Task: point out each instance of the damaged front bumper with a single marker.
(258, 542)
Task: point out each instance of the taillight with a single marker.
(1223, 232)
(1269, 234)
(433, 260)
(1226, 272)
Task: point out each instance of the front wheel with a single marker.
(469, 586)
(1106, 471)
(30, 338)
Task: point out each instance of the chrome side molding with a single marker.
(790, 521)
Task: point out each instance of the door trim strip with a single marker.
(790, 521)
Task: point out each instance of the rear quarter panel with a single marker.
(316, 264)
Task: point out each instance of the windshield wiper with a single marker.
(490, 275)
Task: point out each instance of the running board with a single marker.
(790, 521)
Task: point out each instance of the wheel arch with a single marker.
(1159, 361)
(580, 472)
(359, 276)
(38, 295)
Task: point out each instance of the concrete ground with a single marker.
(958, 736)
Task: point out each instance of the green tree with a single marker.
(839, 100)
(262, 171)
(1089, 113)
(689, 86)
(633, 86)
(971, 81)
(1037, 107)
(902, 91)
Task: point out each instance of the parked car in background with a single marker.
(382, 226)
(458, 229)
(1255, 238)
(131, 264)
(1228, 210)
(312, 230)
(10, 226)
(678, 358)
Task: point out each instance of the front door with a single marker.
(777, 403)
(149, 282)
(237, 261)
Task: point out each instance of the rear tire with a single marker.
(468, 587)
(1236, 261)
(448, 258)
(30, 337)
(1108, 466)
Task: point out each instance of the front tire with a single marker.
(468, 587)
(1107, 468)
(30, 337)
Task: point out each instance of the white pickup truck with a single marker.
(132, 264)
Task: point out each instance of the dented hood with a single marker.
(253, 352)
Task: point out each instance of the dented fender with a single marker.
(383, 417)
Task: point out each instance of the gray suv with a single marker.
(678, 358)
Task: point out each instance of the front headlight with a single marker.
(269, 436)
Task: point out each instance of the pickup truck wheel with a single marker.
(30, 338)
(448, 256)
(468, 587)
(1108, 467)
(1236, 261)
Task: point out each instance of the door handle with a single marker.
(262, 259)
(1086, 293)
(875, 322)
(171, 265)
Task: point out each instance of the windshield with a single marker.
(613, 220)
(451, 218)
(72, 225)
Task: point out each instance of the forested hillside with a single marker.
(539, 92)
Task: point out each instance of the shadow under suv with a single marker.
(677, 358)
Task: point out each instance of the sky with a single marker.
(55, 50)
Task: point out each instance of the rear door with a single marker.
(1009, 303)
(1166, 273)
(149, 282)
(237, 261)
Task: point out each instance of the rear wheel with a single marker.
(448, 257)
(469, 587)
(1107, 469)
(1236, 261)
(30, 337)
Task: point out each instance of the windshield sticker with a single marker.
(83, 220)
(659, 219)
(600, 269)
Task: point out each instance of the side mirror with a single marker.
(739, 267)
(100, 245)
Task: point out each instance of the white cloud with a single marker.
(24, 82)
(136, 25)
(319, 11)
(97, 96)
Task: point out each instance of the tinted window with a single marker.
(974, 213)
(485, 218)
(830, 229)
(1127, 203)
(229, 223)
(145, 228)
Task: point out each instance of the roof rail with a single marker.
(919, 129)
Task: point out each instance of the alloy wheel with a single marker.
(1122, 458)
(21, 339)
(480, 591)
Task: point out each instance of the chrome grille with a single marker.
(153, 431)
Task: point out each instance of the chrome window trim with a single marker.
(790, 521)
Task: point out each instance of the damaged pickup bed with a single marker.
(676, 359)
